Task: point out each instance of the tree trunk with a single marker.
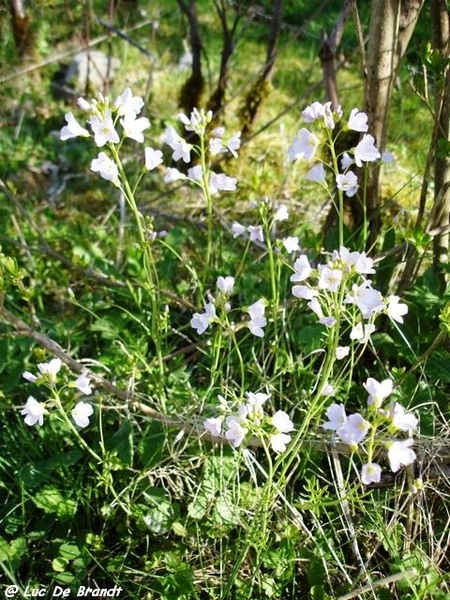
(441, 209)
(261, 88)
(392, 23)
(216, 101)
(327, 54)
(192, 90)
(20, 22)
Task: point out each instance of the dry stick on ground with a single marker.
(63, 55)
(432, 466)
(130, 398)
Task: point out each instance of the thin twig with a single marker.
(379, 582)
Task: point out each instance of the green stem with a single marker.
(74, 429)
(149, 268)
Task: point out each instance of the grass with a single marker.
(144, 498)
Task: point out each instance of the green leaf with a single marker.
(160, 513)
(65, 578)
(69, 551)
(59, 564)
(121, 444)
(51, 501)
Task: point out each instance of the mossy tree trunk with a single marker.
(441, 209)
(21, 29)
(261, 88)
(392, 23)
(217, 98)
(192, 90)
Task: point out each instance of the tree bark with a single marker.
(392, 23)
(192, 90)
(21, 29)
(441, 209)
(216, 101)
(260, 90)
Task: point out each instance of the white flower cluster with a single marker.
(344, 276)
(34, 411)
(181, 150)
(201, 321)
(248, 420)
(353, 429)
(104, 118)
(305, 145)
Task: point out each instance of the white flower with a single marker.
(172, 175)
(126, 103)
(51, 369)
(29, 376)
(342, 352)
(33, 412)
(359, 261)
(197, 121)
(84, 104)
(304, 292)
(366, 151)
(329, 279)
(336, 417)
(221, 182)
(368, 300)
(403, 420)
(361, 332)
(257, 319)
(304, 145)
(348, 183)
(378, 391)
(153, 158)
(281, 214)
(253, 407)
(282, 422)
(133, 127)
(279, 441)
(48, 370)
(327, 389)
(346, 161)
(354, 430)
(73, 129)
(302, 269)
(235, 432)
(316, 111)
(213, 425)
(316, 173)
(81, 413)
(313, 112)
(106, 167)
(195, 173)
(370, 473)
(181, 149)
(82, 384)
(201, 321)
(217, 145)
(358, 121)
(400, 454)
(256, 233)
(291, 244)
(314, 305)
(225, 284)
(104, 129)
(238, 229)
(396, 310)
